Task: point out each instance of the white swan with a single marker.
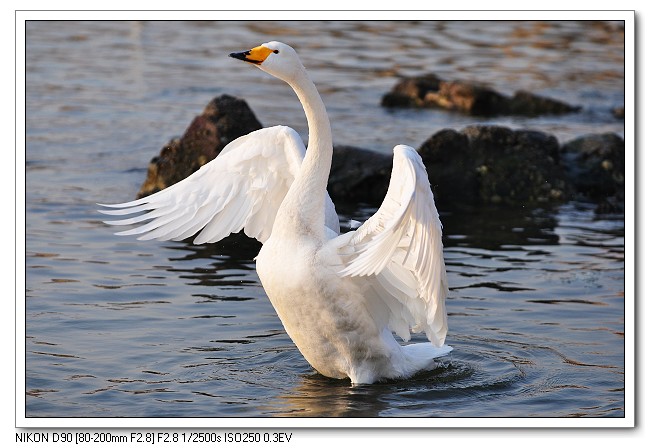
(338, 296)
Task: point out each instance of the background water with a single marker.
(121, 328)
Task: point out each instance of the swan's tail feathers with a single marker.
(425, 351)
(419, 357)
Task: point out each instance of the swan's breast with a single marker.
(321, 312)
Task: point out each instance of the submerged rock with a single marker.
(494, 164)
(429, 91)
(595, 165)
(223, 120)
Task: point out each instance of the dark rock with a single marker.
(595, 165)
(451, 167)
(223, 120)
(526, 103)
(493, 164)
(429, 91)
(359, 175)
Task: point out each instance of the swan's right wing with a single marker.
(397, 257)
(241, 189)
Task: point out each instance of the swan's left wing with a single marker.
(397, 254)
(241, 189)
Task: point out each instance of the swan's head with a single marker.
(275, 58)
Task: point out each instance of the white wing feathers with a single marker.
(398, 252)
(242, 188)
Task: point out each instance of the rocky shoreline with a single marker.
(476, 165)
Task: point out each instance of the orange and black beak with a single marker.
(255, 55)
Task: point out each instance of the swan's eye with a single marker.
(276, 51)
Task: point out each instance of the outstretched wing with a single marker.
(242, 188)
(398, 254)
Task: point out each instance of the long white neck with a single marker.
(304, 205)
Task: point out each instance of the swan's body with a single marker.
(338, 296)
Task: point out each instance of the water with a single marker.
(120, 328)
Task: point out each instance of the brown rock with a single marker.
(473, 99)
(429, 91)
(223, 120)
(410, 92)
